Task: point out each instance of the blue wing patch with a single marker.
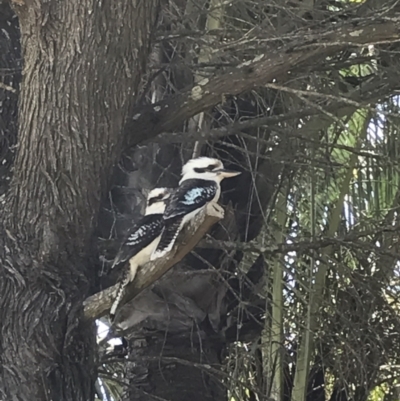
(193, 194)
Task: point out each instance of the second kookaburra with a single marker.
(199, 186)
(141, 241)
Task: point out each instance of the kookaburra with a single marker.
(141, 241)
(199, 186)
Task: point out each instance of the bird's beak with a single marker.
(228, 173)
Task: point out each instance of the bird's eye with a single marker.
(209, 168)
(156, 199)
(200, 170)
(212, 167)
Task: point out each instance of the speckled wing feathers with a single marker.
(142, 234)
(190, 196)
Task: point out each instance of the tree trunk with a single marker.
(71, 117)
(10, 78)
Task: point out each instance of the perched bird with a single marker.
(199, 186)
(141, 241)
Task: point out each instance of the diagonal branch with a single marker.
(150, 120)
(7, 88)
(99, 304)
(368, 93)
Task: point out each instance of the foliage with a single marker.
(324, 234)
(295, 295)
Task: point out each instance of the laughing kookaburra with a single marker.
(141, 241)
(199, 186)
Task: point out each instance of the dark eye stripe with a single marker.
(211, 167)
(200, 170)
(155, 199)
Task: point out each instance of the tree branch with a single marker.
(7, 88)
(99, 304)
(150, 120)
(368, 93)
(355, 239)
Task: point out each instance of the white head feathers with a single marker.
(156, 200)
(206, 168)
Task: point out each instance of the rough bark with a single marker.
(70, 120)
(71, 116)
(10, 78)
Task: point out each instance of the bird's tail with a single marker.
(118, 297)
(129, 275)
(117, 260)
(168, 238)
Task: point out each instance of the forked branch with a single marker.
(99, 304)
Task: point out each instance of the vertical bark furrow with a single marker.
(83, 62)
